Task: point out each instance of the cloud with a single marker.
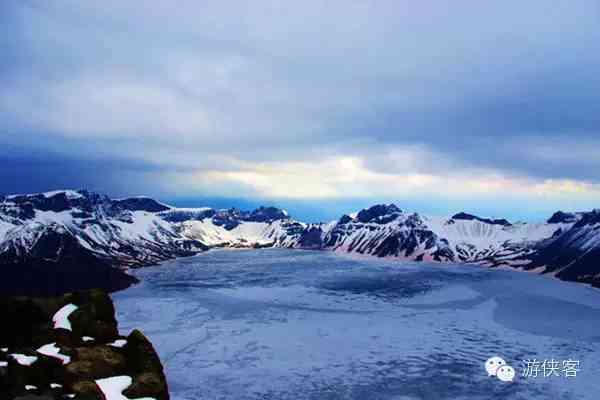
(350, 177)
(311, 99)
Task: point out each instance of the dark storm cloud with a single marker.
(408, 87)
(27, 170)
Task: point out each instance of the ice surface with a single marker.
(289, 324)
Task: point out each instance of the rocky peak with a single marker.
(379, 213)
(267, 214)
(471, 217)
(345, 219)
(588, 218)
(56, 201)
(562, 217)
(142, 204)
(187, 214)
(232, 217)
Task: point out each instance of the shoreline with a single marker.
(372, 258)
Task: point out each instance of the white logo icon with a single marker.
(496, 366)
(492, 365)
(506, 373)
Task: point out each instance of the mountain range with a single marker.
(63, 240)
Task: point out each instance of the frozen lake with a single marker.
(288, 324)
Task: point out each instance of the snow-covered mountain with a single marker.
(573, 253)
(126, 232)
(386, 231)
(79, 228)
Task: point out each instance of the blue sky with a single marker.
(321, 107)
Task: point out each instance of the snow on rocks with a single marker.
(113, 387)
(51, 350)
(118, 343)
(30, 387)
(24, 359)
(4, 349)
(36, 353)
(61, 318)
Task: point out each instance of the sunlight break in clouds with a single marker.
(344, 177)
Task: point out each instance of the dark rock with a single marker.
(377, 212)
(266, 214)
(27, 320)
(87, 390)
(39, 374)
(147, 384)
(57, 264)
(470, 217)
(29, 326)
(562, 217)
(94, 363)
(311, 238)
(141, 204)
(588, 218)
(141, 355)
(95, 316)
(179, 215)
(345, 219)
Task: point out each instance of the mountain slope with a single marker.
(574, 254)
(69, 232)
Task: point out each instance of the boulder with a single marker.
(87, 390)
(95, 363)
(148, 384)
(140, 354)
(29, 326)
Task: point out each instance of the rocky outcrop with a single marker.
(573, 254)
(142, 204)
(55, 242)
(471, 217)
(52, 266)
(52, 354)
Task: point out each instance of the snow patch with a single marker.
(113, 387)
(51, 350)
(61, 318)
(71, 194)
(118, 343)
(24, 359)
(245, 234)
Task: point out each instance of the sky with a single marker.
(319, 106)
